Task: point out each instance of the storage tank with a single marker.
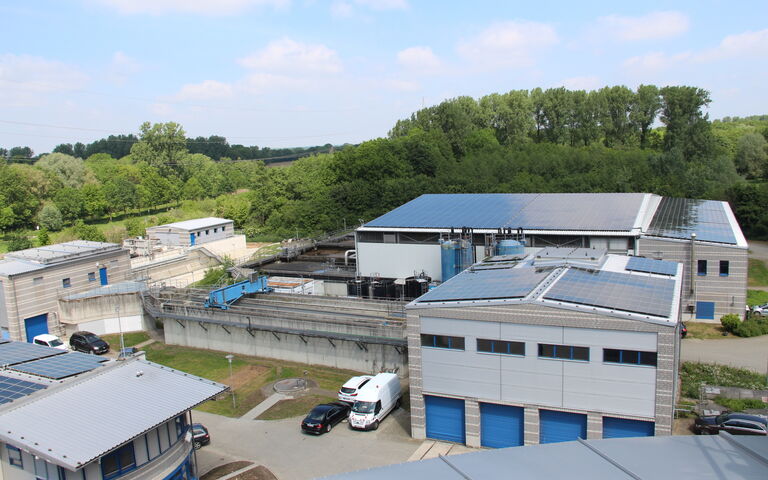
(416, 286)
(510, 247)
(383, 288)
(357, 287)
(455, 256)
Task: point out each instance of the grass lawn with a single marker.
(249, 374)
(295, 407)
(756, 297)
(130, 339)
(693, 374)
(757, 273)
(705, 330)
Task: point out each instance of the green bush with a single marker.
(730, 322)
(752, 327)
(740, 404)
(18, 242)
(693, 374)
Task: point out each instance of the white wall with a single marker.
(398, 260)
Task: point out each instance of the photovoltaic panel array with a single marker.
(680, 217)
(13, 388)
(615, 291)
(60, 366)
(648, 265)
(12, 353)
(486, 285)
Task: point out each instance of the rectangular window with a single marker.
(181, 425)
(37, 280)
(41, 469)
(564, 352)
(207, 231)
(724, 268)
(702, 267)
(118, 462)
(66, 283)
(390, 238)
(223, 228)
(500, 346)
(14, 456)
(91, 276)
(442, 341)
(629, 357)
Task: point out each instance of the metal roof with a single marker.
(51, 254)
(530, 211)
(113, 405)
(708, 219)
(117, 288)
(680, 457)
(10, 267)
(195, 224)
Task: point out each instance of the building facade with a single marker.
(191, 232)
(506, 355)
(33, 280)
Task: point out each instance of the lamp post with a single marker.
(229, 359)
(120, 328)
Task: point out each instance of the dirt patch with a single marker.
(251, 245)
(259, 472)
(683, 426)
(246, 375)
(225, 469)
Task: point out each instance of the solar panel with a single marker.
(60, 366)
(616, 291)
(680, 217)
(12, 353)
(13, 388)
(486, 284)
(640, 264)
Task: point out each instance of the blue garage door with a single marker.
(192, 239)
(104, 279)
(622, 428)
(561, 426)
(35, 326)
(705, 310)
(445, 418)
(500, 425)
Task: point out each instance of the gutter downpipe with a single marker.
(693, 262)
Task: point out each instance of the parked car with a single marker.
(683, 330)
(733, 423)
(323, 417)
(200, 435)
(349, 390)
(88, 342)
(374, 401)
(49, 340)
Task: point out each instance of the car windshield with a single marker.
(347, 390)
(55, 343)
(364, 407)
(721, 418)
(91, 338)
(317, 414)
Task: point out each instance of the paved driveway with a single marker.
(751, 353)
(289, 454)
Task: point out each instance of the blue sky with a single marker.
(302, 72)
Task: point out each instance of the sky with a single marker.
(282, 73)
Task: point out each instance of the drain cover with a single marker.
(290, 385)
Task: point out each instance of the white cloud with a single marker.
(122, 67)
(341, 9)
(747, 44)
(654, 62)
(200, 7)
(384, 4)
(258, 83)
(346, 8)
(206, 90)
(286, 55)
(508, 44)
(37, 74)
(421, 59)
(652, 26)
(582, 83)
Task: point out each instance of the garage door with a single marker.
(500, 425)
(445, 418)
(622, 428)
(35, 326)
(561, 426)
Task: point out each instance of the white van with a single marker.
(374, 401)
(49, 341)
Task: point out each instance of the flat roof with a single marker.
(61, 252)
(117, 288)
(711, 221)
(194, 224)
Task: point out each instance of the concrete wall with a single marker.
(37, 293)
(728, 292)
(396, 260)
(178, 271)
(99, 314)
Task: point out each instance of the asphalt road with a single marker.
(280, 446)
(751, 353)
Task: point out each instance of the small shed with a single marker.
(192, 232)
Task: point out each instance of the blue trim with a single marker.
(121, 470)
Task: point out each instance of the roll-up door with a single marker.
(445, 418)
(500, 425)
(622, 428)
(35, 326)
(561, 426)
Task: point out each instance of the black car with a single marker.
(733, 423)
(200, 435)
(88, 342)
(323, 417)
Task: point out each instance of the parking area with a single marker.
(289, 454)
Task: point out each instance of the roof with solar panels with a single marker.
(582, 279)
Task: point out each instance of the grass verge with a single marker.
(295, 407)
(740, 404)
(757, 273)
(705, 330)
(693, 374)
(756, 297)
(130, 339)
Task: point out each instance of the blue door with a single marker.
(35, 326)
(705, 310)
(103, 276)
(622, 428)
(445, 418)
(561, 426)
(501, 425)
(192, 239)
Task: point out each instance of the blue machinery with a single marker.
(224, 297)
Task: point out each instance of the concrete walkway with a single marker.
(433, 449)
(750, 353)
(253, 413)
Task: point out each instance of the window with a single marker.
(702, 267)
(118, 462)
(390, 238)
(724, 268)
(37, 280)
(198, 234)
(215, 230)
(207, 231)
(442, 341)
(14, 456)
(564, 352)
(500, 346)
(223, 228)
(181, 425)
(91, 276)
(66, 283)
(630, 357)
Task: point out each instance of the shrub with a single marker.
(43, 238)
(50, 217)
(752, 327)
(740, 404)
(693, 374)
(19, 242)
(730, 322)
(134, 226)
(88, 232)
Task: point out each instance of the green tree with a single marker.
(120, 193)
(751, 155)
(687, 126)
(556, 109)
(582, 121)
(70, 170)
(16, 194)
(94, 201)
(43, 238)
(88, 232)
(50, 217)
(192, 190)
(235, 207)
(161, 145)
(644, 110)
(70, 202)
(19, 242)
(614, 107)
(135, 227)
(7, 218)
(65, 148)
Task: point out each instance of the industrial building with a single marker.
(437, 235)
(67, 416)
(32, 281)
(567, 344)
(191, 232)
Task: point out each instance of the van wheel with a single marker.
(196, 445)
(375, 425)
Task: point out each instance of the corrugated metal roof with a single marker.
(10, 267)
(679, 457)
(530, 211)
(60, 252)
(77, 422)
(194, 224)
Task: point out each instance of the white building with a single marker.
(192, 232)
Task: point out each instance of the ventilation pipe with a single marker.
(347, 255)
(693, 262)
